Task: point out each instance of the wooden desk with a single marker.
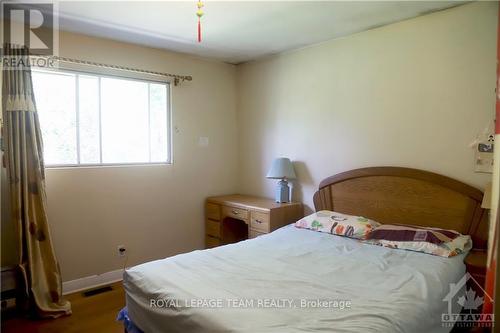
(231, 218)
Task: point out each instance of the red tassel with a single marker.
(199, 31)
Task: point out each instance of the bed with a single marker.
(296, 280)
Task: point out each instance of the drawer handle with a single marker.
(235, 212)
(258, 221)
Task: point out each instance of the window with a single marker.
(89, 119)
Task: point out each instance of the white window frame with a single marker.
(79, 69)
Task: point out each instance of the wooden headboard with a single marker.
(406, 196)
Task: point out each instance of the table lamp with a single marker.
(282, 169)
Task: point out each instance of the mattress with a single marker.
(292, 280)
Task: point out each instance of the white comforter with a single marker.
(273, 275)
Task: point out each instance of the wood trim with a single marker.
(396, 195)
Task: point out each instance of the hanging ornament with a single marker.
(199, 13)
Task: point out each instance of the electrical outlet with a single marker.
(122, 251)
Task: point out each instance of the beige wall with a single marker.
(412, 94)
(155, 211)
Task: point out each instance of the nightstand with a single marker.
(232, 218)
(476, 266)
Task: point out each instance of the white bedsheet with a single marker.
(390, 290)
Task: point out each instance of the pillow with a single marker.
(440, 242)
(407, 233)
(338, 224)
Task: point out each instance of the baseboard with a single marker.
(92, 281)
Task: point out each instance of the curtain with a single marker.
(25, 171)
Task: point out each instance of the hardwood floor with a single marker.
(94, 314)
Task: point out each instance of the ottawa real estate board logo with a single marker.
(30, 25)
(465, 300)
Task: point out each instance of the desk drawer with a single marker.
(252, 233)
(211, 242)
(236, 213)
(212, 211)
(212, 228)
(259, 221)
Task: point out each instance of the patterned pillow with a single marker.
(409, 233)
(338, 224)
(440, 242)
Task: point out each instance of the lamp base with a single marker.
(282, 192)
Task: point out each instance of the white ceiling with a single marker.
(234, 31)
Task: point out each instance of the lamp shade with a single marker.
(281, 168)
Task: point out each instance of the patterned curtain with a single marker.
(25, 170)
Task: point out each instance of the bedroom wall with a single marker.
(414, 94)
(155, 211)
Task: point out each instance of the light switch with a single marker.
(203, 141)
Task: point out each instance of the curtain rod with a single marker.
(177, 78)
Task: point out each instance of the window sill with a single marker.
(110, 165)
